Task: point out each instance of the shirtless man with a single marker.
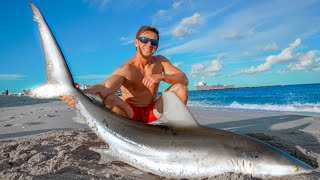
(139, 80)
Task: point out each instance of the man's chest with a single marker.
(134, 78)
(138, 74)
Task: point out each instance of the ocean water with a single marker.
(303, 98)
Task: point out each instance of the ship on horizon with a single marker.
(203, 86)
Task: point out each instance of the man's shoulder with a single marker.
(124, 69)
(127, 66)
(160, 58)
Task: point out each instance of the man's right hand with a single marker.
(99, 90)
(69, 100)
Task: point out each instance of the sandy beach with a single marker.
(39, 140)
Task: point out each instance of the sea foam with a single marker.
(295, 107)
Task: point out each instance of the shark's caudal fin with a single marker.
(175, 113)
(59, 80)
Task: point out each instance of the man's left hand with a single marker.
(150, 80)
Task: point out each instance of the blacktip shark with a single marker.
(178, 147)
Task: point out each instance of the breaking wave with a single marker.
(295, 107)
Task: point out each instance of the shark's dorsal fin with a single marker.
(175, 113)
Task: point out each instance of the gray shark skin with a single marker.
(177, 147)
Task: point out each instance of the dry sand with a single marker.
(39, 140)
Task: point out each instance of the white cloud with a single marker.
(98, 77)
(161, 15)
(91, 79)
(246, 53)
(271, 46)
(176, 4)
(176, 64)
(260, 20)
(196, 69)
(187, 25)
(285, 55)
(234, 35)
(221, 56)
(257, 49)
(206, 68)
(161, 12)
(12, 77)
(126, 40)
(100, 4)
(304, 61)
(221, 10)
(316, 69)
(296, 43)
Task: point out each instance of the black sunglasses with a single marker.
(145, 40)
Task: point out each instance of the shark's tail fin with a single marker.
(59, 80)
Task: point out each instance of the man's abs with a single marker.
(140, 97)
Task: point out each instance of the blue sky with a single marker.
(244, 43)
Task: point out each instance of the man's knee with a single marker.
(181, 90)
(109, 101)
(118, 106)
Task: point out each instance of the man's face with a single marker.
(146, 49)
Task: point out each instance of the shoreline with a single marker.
(14, 93)
(39, 139)
(22, 100)
(248, 87)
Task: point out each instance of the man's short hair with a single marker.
(147, 28)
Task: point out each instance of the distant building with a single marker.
(83, 87)
(202, 86)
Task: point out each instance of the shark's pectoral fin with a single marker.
(175, 113)
(106, 154)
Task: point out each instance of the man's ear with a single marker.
(135, 42)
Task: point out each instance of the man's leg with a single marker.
(180, 89)
(118, 106)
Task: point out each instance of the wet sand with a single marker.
(39, 140)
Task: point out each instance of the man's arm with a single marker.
(107, 87)
(110, 86)
(172, 74)
(178, 77)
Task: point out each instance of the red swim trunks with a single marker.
(144, 114)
